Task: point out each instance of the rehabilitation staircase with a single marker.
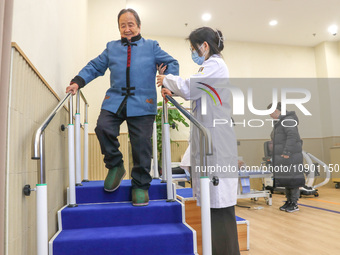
(107, 223)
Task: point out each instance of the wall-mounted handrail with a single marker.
(38, 139)
(36, 136)
(38, 153)
(205, 149)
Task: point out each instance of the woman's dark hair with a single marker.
(135, 14)
(214, 38)
(278, 106)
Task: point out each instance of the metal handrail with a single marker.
(38, 139)
(203, 129)
(173, 108)
(83, 97)
(40, 130)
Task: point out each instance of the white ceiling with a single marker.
(300, 22)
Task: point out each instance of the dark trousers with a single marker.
(292, 194)
(224, 231)
(140, 131)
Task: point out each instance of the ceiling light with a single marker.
(333, 29)
(273, 23)
(206, 16)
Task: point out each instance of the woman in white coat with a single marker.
(210, 103)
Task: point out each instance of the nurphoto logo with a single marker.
(248, 98)
(239, 101)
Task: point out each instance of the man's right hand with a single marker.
(161, 68)
(73, 88)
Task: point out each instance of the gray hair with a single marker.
(135, 14)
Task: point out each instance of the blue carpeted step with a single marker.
(154, 239)
(120, 214)
(105, 223)
(93, 192)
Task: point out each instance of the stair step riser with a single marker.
(93, 192)
(122, 248)
(108, 241)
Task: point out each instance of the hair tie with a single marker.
(220, 38)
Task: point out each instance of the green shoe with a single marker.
(140, 197)
(114, 178)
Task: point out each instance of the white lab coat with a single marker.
(185, 162)
(212, 71)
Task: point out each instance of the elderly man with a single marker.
(132, 97)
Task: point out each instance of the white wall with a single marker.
(328, 70)
(53, 36)
(255, 60)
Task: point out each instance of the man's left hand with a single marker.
(160, 79)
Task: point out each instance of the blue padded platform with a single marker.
(186, 192)
(239, 219)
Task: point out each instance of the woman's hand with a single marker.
(160, 79)
(72, 88)
(161, 68)
(165, 92)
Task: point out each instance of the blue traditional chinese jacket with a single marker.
(133, 69)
